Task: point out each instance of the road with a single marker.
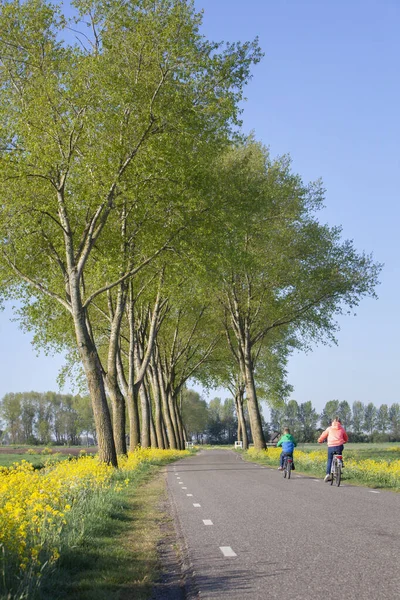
(246, 532)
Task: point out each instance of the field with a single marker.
(39, 455)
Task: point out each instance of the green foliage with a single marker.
(36, 418)
(194, 413)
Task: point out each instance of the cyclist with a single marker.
(336, 438)
(288, 445)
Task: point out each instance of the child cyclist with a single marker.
(336, 438)
(288, 445)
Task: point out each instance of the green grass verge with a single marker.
(112, 554)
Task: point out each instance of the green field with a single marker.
(371, 451)
(35, 455)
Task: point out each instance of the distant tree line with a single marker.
(43, 418)
(217, 422)
(363, 422)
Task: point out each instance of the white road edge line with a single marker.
(373, 492)
(227, 551)
(207, 522)
(197, 505)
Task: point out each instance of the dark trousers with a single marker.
(331, 450)
(282, 457)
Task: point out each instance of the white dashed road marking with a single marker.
(227, 551)
(207, 522)
(189, 494)
(197, 505)
(184, 488)
(180, 482)
(373, 492)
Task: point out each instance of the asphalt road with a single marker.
(246, 532)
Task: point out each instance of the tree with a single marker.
(282, 277)
(344, 412)
(228, 419)
(330, 411)
(308, 418)
(215, 428)
(89, 129)
(194, 414)
(292, 418)
(277, 418)
(10, 412)
(394, 415)
(382, 418)
(370, 418)
(358, 417)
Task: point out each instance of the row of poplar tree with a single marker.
(140, 232)
(37, 418)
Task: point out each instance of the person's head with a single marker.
(286, 430)
(336, 420)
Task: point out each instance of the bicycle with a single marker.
(287, 466)
(336, 468)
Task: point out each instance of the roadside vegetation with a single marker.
(70, 530)
(373, 465)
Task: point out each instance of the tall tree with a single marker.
(331, 410)
(344, 412)
(282, 277)
(394, 415)
(308, 418)
(292, 417)
(358, 417)
(382, 418)
(84, 127)
(194, 414)
(370, 418)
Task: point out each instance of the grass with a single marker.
(115, 557)
(34, 455)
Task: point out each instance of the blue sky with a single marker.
(328, 93)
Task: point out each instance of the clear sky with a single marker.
(328, 93)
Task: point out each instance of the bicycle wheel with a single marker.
(338, 473)
(284, 468)
(289, 468)
(333, 471)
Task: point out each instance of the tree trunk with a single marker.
(179, 424)
(134, 422)
(119, 416)
(94, 375)
(242, 429)
(172, 443)
(117, 398)
(155, 386)
(145, 424)
(172, 412)
(252, 404)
